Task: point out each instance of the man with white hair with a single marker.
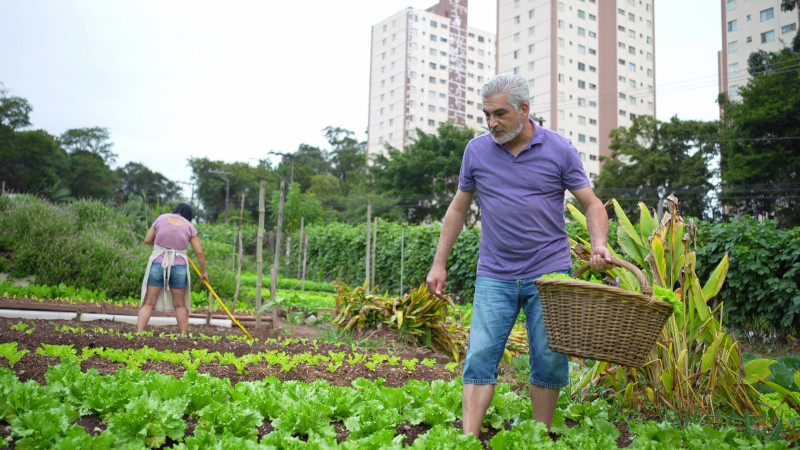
(520, 172)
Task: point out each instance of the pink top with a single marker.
(174, 237)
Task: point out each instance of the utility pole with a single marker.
(191, 196)
(225, 176)
(291, 157)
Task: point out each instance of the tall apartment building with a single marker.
(748, 26)
(590, 65)
(427, 67)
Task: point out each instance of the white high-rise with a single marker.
(590, 65)
(749, 26)
(427, 67)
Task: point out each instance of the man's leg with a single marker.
(544, 402)
(475, 401)
(549, 370)
(494, 310)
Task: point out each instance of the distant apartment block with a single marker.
(749, 26)
(590, 65)
(427, 67)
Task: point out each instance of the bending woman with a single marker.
(170, 236)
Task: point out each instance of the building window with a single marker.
(788, 28)
(516, 20)
(581, 101)
(516, 37)
(632, 50)
(531, 31)
(581, 31)
(769, 36)
(516, 54)
(582, 49)
(581, 137)
(581, 84)
(592, 69)
(530, 48)
(733, 47)
(749, 39)
(733, 68)
(632, 17)
(733, 25)
(593, 157)
(582, 66)
(530, 14)
(581, 14)
(731, 5)
(431, 123)
(632, 67)
(767, 14)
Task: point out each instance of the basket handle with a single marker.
(646, 289)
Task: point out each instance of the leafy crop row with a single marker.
(150, 410)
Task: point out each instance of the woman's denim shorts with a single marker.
(494, 311)
(177, 276)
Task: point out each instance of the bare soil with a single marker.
(34, 367)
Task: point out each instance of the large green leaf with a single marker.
(628, 238)
(716, 279)
(757, 370)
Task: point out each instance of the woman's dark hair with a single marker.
(184, 210)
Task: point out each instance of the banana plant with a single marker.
(696, 367)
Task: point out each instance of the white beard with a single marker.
(510, 135)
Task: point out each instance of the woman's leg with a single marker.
(181, 313)
(150, 298)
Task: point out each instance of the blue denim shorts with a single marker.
(177, 276)
(494, 311)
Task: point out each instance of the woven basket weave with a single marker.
(606, 323)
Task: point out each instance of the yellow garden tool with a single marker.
(217, 297)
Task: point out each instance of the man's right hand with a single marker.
(436, 281)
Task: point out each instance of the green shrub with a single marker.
(762, 290)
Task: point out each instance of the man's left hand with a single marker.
(601, 258)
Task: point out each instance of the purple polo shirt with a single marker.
(522, 203)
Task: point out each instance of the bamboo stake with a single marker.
(241, 254)
(305, 260)
(260, 250)
(274, 271)
(300, 248)
(369, 221)
(374, 248)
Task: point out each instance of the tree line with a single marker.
(747, 163)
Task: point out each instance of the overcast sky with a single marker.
(232, 80)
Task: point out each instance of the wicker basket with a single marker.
(601, 322)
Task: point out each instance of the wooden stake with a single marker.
(241, 254)
(274, 272)
(260, 250)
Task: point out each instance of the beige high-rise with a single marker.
(427, 68)
(590, 65)
(749, 26)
